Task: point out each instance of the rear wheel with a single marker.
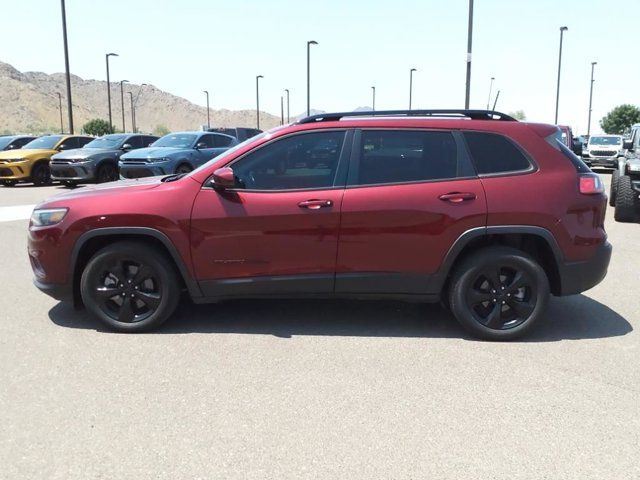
(499, 293)
(615, 176)
(183, 168)
(627, 203)
(40, 175)
(107, 172)
(130, 287)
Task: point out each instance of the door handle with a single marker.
(315, 204)
(457, 197)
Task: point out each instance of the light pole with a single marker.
(562, 30)
(411, 85)
(469, 44)
(490, 87)
(281, 110)
(258, 77)
(309, 43)
(287, 90)
(124, 127)
(60, 105)
(135, 104)
(66, 65)
(496, 100)
(593, 64)
(374, 98)
(133, 113)
(109, 88)
(208, 120)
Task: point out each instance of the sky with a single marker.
(187, 46)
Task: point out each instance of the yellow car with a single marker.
(31, 162)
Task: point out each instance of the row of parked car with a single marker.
(74, 159)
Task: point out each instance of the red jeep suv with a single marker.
(469, 207)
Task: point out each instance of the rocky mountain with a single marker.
(29, 104)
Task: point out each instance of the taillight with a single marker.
(590, 184)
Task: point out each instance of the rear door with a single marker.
(410, 194)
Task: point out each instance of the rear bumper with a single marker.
(60, 291)
(576, 277)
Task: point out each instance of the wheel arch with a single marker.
(535, 241)
(92, 241)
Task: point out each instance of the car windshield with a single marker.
(47, 142)
(232, 150)
(606, 140)
(108, 141)
(4, 141)
(176, 140)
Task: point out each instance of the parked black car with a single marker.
(97, 160)
(14, 142)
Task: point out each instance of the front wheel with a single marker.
(615, 176)
(40, 175)
(183, 168)
(130, 287)
(499, 293)
(107, 173)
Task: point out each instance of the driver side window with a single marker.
(308, 160)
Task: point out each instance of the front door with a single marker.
(277, 232)
(410, 194)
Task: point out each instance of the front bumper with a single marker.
(60, 291)
(139, 170)
(14, 171)
(611, 162)
(72, 171)
(576, 277)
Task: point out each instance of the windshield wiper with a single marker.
(171, 178)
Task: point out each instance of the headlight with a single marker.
(634, 167)
(47, 216)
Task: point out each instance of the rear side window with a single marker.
(82, 141)
(396, 156)
(495, 154)
(221, 141)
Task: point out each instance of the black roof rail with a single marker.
(453, 113)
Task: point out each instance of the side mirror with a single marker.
(127, 146)
(223, 178)
(63, 147)
(201, 145)
(627, 145)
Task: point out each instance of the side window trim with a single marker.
(339, 179)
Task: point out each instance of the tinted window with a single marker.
(407, 156)
(107, 141)
(221, 141)
(135, 141)
(148, 140)
(69, 143)
(82, 141)
(207, 140)
(495, 154)
(22, 142)
(302, 161)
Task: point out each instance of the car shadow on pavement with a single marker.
(571, 318)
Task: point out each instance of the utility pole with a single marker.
(258, 77)
(469, 44)
(124, 127)
(562, 30)
(287, 90)
(309, 43)
(133, 113)
(60, 105)
(374, 98)
(411, 85)
(593, 64)
(66, 65)
(109, 88)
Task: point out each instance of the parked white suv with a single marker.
(604, 150)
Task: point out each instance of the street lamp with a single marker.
(208, 120)
(469, 44)
(124, 128)
(281, 110)
(411, 85)
(562, 30)
(490, 87)
(309, 43)
(374, 98)
(133, 112)
(60, 106)
(593, 64)
(109, 87)
(66, 65)
(258, 77)
(287, 90)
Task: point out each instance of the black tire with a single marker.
(9, 183)
(627, 204)
(107, 172)
(499, 293)
(615, 176)
(145, 287)
(40, 174)
(183, 168)
(70, 184)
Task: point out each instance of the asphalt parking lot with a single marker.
(317, 389)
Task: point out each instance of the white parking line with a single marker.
(15, 212)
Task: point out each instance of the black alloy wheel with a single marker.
(107, 173)
(40, 175)
(498, 293)
(130, 286)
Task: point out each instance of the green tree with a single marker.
(160, 130)
(97, 127)
(518, 115)
(618, 120)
